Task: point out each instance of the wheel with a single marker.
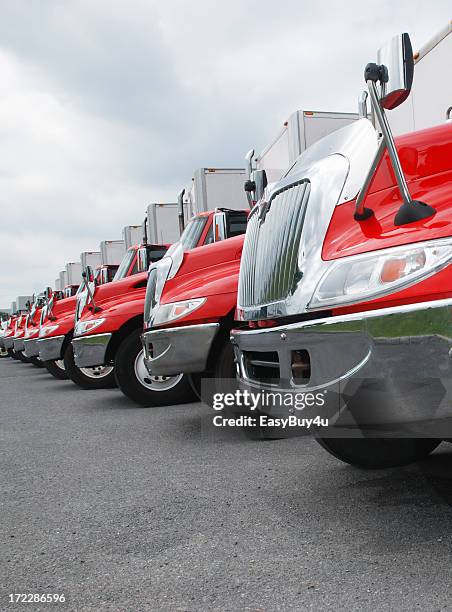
(56, 368)
(12, 354)
(136, 383)
(3, 353)
(379, 452)
(36, 362)
(100, 377)
(21, 357)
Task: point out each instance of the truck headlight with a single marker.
(83, 327)
(46, 331)
(359, 278)
(176, 310)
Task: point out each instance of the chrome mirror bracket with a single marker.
(411, 210)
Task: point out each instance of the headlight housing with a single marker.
(360, 278)
(166, 313)
(84, 327)
(47, 330)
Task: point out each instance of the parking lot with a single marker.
(126, 508)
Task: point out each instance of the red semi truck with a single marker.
(112, 335)
(57, 324)
(346, 284)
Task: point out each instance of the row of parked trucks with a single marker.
(318, 277)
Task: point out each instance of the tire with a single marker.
(136, 383)
(375, 453)
(12, 354)
(4, 353)
(36, 362)
(101, 377)
(56, 368)
(21, 357)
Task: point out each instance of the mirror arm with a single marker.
(180, 207)
(411, 210)
(361, 212)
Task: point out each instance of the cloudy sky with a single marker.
(108, 105)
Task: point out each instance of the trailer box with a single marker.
(13, 307)
(90, 258)
(22, 300)
(132, 235)
(112, 252)
(302, 129)
(74, 273)
(431, 94)
(162, 222)
(63, 279)
(217, 188)
(57, 286)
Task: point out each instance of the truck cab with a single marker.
(345, 284)
(112, 335)
(95, 297)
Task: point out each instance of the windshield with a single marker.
(192, 233)
(125, 265)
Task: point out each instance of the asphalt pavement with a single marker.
(120, 507)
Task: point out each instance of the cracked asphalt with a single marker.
(128, 508)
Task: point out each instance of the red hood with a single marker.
(426, 158)
(212, 269)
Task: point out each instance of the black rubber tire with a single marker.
(12, 354)
(377, 453)
(55, 370)
(82, 380)
(36, 362)
(4, 354)
(21, 357)
(131, 386)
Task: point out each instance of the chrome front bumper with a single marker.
(19, 344)
(8, 343)
(376, 368)
(178, 350)
(31, 347)
(50, 348)
(89, 351)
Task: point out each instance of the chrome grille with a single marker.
(269, 268)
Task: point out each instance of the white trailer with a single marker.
(430, 101)
(217, 188)
(90, 258)
(132, 235)
(112, 252)
(57, 286)
(63, 279)
(299, 132)
(162, 222)
(74, 273)
(13, 307)
(21, 302)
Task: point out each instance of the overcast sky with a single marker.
(108, 105)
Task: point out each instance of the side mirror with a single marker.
(389, 84)
(180, 210)
(142, 259)
(260, 180)
(394, 70)
(219, 226)
(88, 274)
(48, 293)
